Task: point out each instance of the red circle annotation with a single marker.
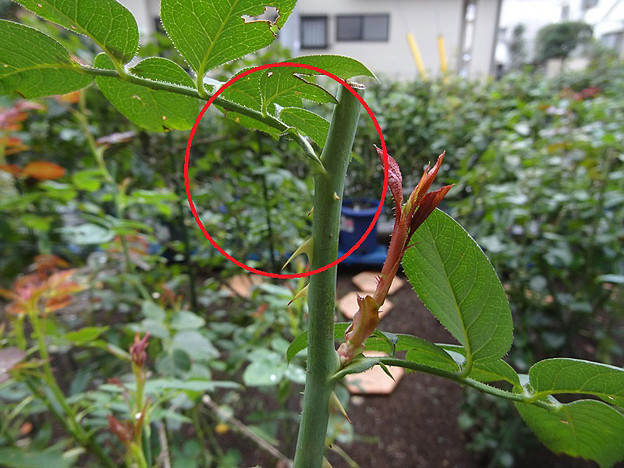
(188, 185)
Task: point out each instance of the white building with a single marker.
(605, 16)
(533, 15)
(607, 20)
(376, 32)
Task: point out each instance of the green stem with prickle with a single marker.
(322, 357)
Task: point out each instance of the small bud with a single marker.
(137, 350)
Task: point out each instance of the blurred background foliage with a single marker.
(538, 168)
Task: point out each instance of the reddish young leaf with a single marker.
(43, 170)
(423, 185)
(407, 219)
(11, 169)
(137, 350)
(395, 180)
(71, 98)
(428, 203)
(123, 431)
(48, 263)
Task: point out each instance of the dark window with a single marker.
(313, 32)
(362, 27)
(158, 24)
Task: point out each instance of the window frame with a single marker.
(361, 17)
(302, 19)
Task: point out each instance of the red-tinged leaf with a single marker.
(11, 141)
(62, 279)
(56, 303)
(123, 431)
(15, 149)
(43, 170)
(395, 181)
(428, 203)
(10, 119)
(424, 184)
(12, 145)
(48, 262)
(11, 169)
(137, 350)
(8, 294)
(71, 98)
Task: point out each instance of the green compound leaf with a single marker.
(586, 428)
(85, 335)
(246, 90)
(358, 365)
(209, 33)
(308, 123)
(284, 87)
(33, 64)
(342, 67)
(249, 122)
(287, 87)
(88, 179)
(107, 22)
(277, 89)
(156, 111)
(264, 90)
(381, 341)
(298, 344)
(563, 375)
(485, 371)
(425, 353)
(457, 283)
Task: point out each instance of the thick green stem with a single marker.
(322, 357)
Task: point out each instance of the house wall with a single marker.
(607, 20)
(533, 15)
(485, 37)
(425, 19)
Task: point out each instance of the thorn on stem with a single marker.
(306, 248)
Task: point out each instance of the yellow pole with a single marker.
(417, 57)
(442, 54)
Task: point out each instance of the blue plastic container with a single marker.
(355, 218)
